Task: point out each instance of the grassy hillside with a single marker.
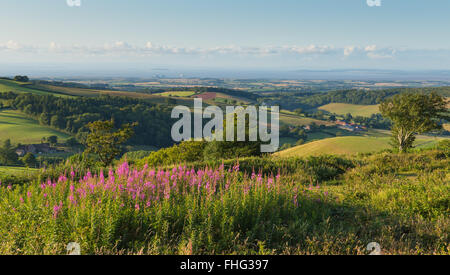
(20, 129)
(316, 205)
(355, 110)
(347, 146)
(19, 87)
(295, 120)
(16, 171)
(178, 93)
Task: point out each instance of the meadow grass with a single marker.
(296, 120)
(19, 87)
(349, 145)
(178, 93)
(12, 170)
(226, 210)
(19, 128)
(353, 109)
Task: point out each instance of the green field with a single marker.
(348, 146)
(178, 93)
(19, 87)
(16, 171)
(355, 110)
(296, 120)
(20, 129)
(14, 86)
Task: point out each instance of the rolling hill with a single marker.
(354, 110)
(21, 129)
(7, 85)
(347, 146)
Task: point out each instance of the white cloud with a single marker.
(149, 49)
(349, 50)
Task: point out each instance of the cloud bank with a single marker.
(121, 48)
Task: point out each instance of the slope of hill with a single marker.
(347, 146)
(353, 109)
(18, 87)
(21, 129)
(295, 120)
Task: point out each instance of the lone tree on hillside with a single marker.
(104, 141)
(21, 78)
(413, 114)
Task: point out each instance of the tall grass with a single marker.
(225, 210)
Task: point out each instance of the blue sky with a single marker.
(272, 34)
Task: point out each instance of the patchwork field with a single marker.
(16, 171)
(354, 110)
(301, 121)
(178, 93)
(348, 146)
(14, 86)
(20, 129)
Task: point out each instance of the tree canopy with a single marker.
(104, 141)
(413, 114)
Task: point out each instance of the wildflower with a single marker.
(278, 177)
(57, 209)
(269, 182)
(72, 173)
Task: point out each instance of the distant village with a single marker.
(42, 148)
(352, 127)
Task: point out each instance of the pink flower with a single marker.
(57, 209)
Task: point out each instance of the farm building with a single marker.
(34, 149)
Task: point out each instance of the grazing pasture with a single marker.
(348, 145)
(353, 109)
(296, 120)
(178, 93)
(19, 128)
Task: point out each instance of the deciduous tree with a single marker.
(105, 141)
(413, 114)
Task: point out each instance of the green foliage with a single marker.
(105, 142)
(231, 150)
(52, 140)
(399, 201)
(71, 141)
(299, 142)
(186, 151)
(71, 115)
(413, 114)
(21, 78)
(8, 154)
(29, 160)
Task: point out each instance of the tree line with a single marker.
(72, 115)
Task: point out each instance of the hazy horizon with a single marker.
(121, 37)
